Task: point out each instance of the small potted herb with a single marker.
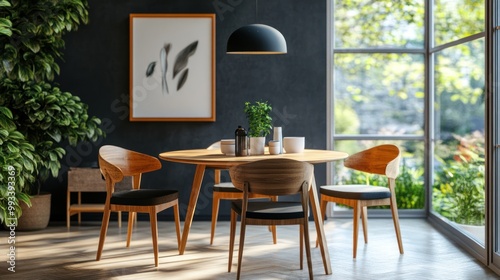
(259, 124)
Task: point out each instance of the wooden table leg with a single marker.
(318, 221)
(195, 191)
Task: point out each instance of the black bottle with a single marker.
(240, 142)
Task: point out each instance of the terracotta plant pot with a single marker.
(37, 216)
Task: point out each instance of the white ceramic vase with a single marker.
(257, 145)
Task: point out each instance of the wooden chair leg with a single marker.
(79, 213)
(364, 220)
(323, 205)
(323, 215)
(273, 227)
(395, 219)
(301, 233)
(232, 233)
(177, 221)
(120, 219)
(102, 236)
(356, 217)
(68, 219)
(242, 243)
(154, 233)
(273, 231)
(215, 213)
(68, 213)
(130, 227)
(308, 247)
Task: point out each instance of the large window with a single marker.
(459, 184)
(458, 84)
(412, 74)
(379, 86)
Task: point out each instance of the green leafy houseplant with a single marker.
(36, 117)
(19, 162)
(259, 119)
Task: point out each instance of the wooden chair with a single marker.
(116, 163)
(271, 177)
(381, 160)
(227, 191)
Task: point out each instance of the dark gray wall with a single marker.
(96, 68)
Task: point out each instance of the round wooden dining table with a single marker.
(213, 158)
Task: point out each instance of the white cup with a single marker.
(274, 150)
(227, 147)
(294, 144)
(227, 141)
(274, 143)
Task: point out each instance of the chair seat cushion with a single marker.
(144, 197)
(270, 210)
(359, 192)
(225, 187)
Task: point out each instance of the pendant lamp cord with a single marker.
(256, 9)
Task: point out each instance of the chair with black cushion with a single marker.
(271, 177)
(227, 191)
(116, 163)
(381, 160)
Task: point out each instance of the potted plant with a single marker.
(36, 117)
(259, 125)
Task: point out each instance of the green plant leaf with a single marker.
(5, 111)
(24, 198)
(5, 3)
(4, 133)
(5, 27)
(28, 165)
(13, 149)
(7, 123)
(54, 169)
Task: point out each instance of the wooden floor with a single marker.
(58, 253)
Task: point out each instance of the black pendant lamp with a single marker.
(256, 39)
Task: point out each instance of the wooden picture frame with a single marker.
(172, 67)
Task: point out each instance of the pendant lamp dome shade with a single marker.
(256, 39)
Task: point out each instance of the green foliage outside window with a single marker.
(458, 190)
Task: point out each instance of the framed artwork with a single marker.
(172, 67)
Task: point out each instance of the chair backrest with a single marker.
(116, 163)
(272, 176)
(382, 160)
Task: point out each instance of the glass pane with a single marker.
(459, 92)
(495, 160)
(379, 24)
(410, 192)
(379, 94)
(456, 19)
(458, 188)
